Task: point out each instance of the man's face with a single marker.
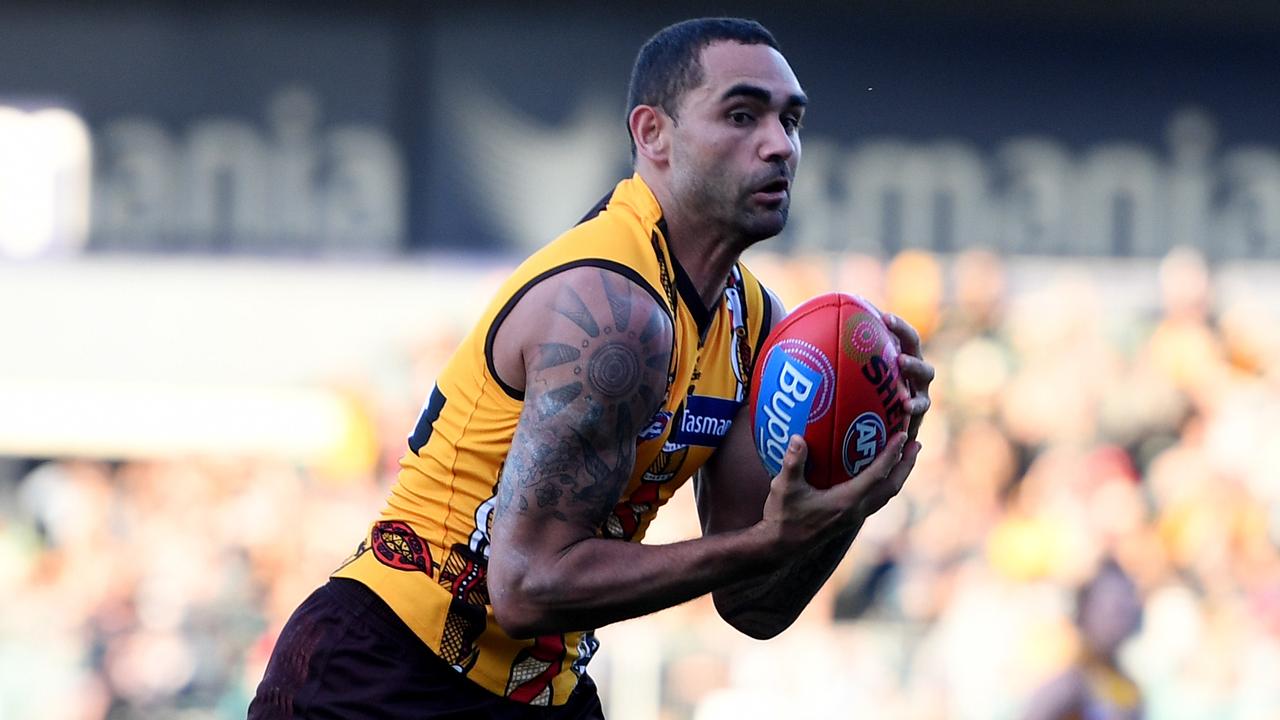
(736, 142)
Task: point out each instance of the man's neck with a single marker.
(707, 258)
(705, 252)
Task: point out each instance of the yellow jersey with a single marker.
(427, 555)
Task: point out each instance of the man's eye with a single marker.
(740, 117)
(791, 123)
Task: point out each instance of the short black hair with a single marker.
(669, 64)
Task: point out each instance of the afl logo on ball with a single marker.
(862, 442)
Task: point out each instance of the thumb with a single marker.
(877, 470)
(794, 459)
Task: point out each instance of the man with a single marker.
(1108, 613)
(611, 367)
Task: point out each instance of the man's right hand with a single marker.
(798, 516)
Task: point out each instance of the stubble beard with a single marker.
(735, 210)
(757, 227)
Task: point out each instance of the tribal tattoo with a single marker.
(590, 390)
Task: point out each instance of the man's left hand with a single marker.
(915, 370)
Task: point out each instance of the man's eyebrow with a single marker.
(758, 93)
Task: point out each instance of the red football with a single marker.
(829, 372)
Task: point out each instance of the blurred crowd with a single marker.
(1093, 528)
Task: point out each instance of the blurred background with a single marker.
(238, 240)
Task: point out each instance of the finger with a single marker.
(852, 491)
(918, 372)
(881, 493)
(918, 405)
(913, 426)
(898, 475)
(908, 338)
(794, 458)
(916, 408)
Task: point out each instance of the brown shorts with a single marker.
(345, 654)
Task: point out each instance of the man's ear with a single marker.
(651, 130)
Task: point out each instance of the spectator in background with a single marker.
(1108, 611)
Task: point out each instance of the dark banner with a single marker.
(309, 130)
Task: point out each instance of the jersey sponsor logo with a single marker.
(704, 420)
(788, 389)
(864, 439)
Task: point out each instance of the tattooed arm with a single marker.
(591, 350)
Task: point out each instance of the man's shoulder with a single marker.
(629, 207)
(614, 236)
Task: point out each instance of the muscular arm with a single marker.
(594, 351)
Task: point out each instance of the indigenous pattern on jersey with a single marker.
(427, 555)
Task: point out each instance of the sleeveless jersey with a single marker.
(427, 555)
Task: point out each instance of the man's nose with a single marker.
(777, 143)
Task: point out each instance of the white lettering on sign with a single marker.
(1032, 195)
(228, 184)
(1029, 195)
(45, 167)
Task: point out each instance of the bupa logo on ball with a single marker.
(864, 439)
(797, 385)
